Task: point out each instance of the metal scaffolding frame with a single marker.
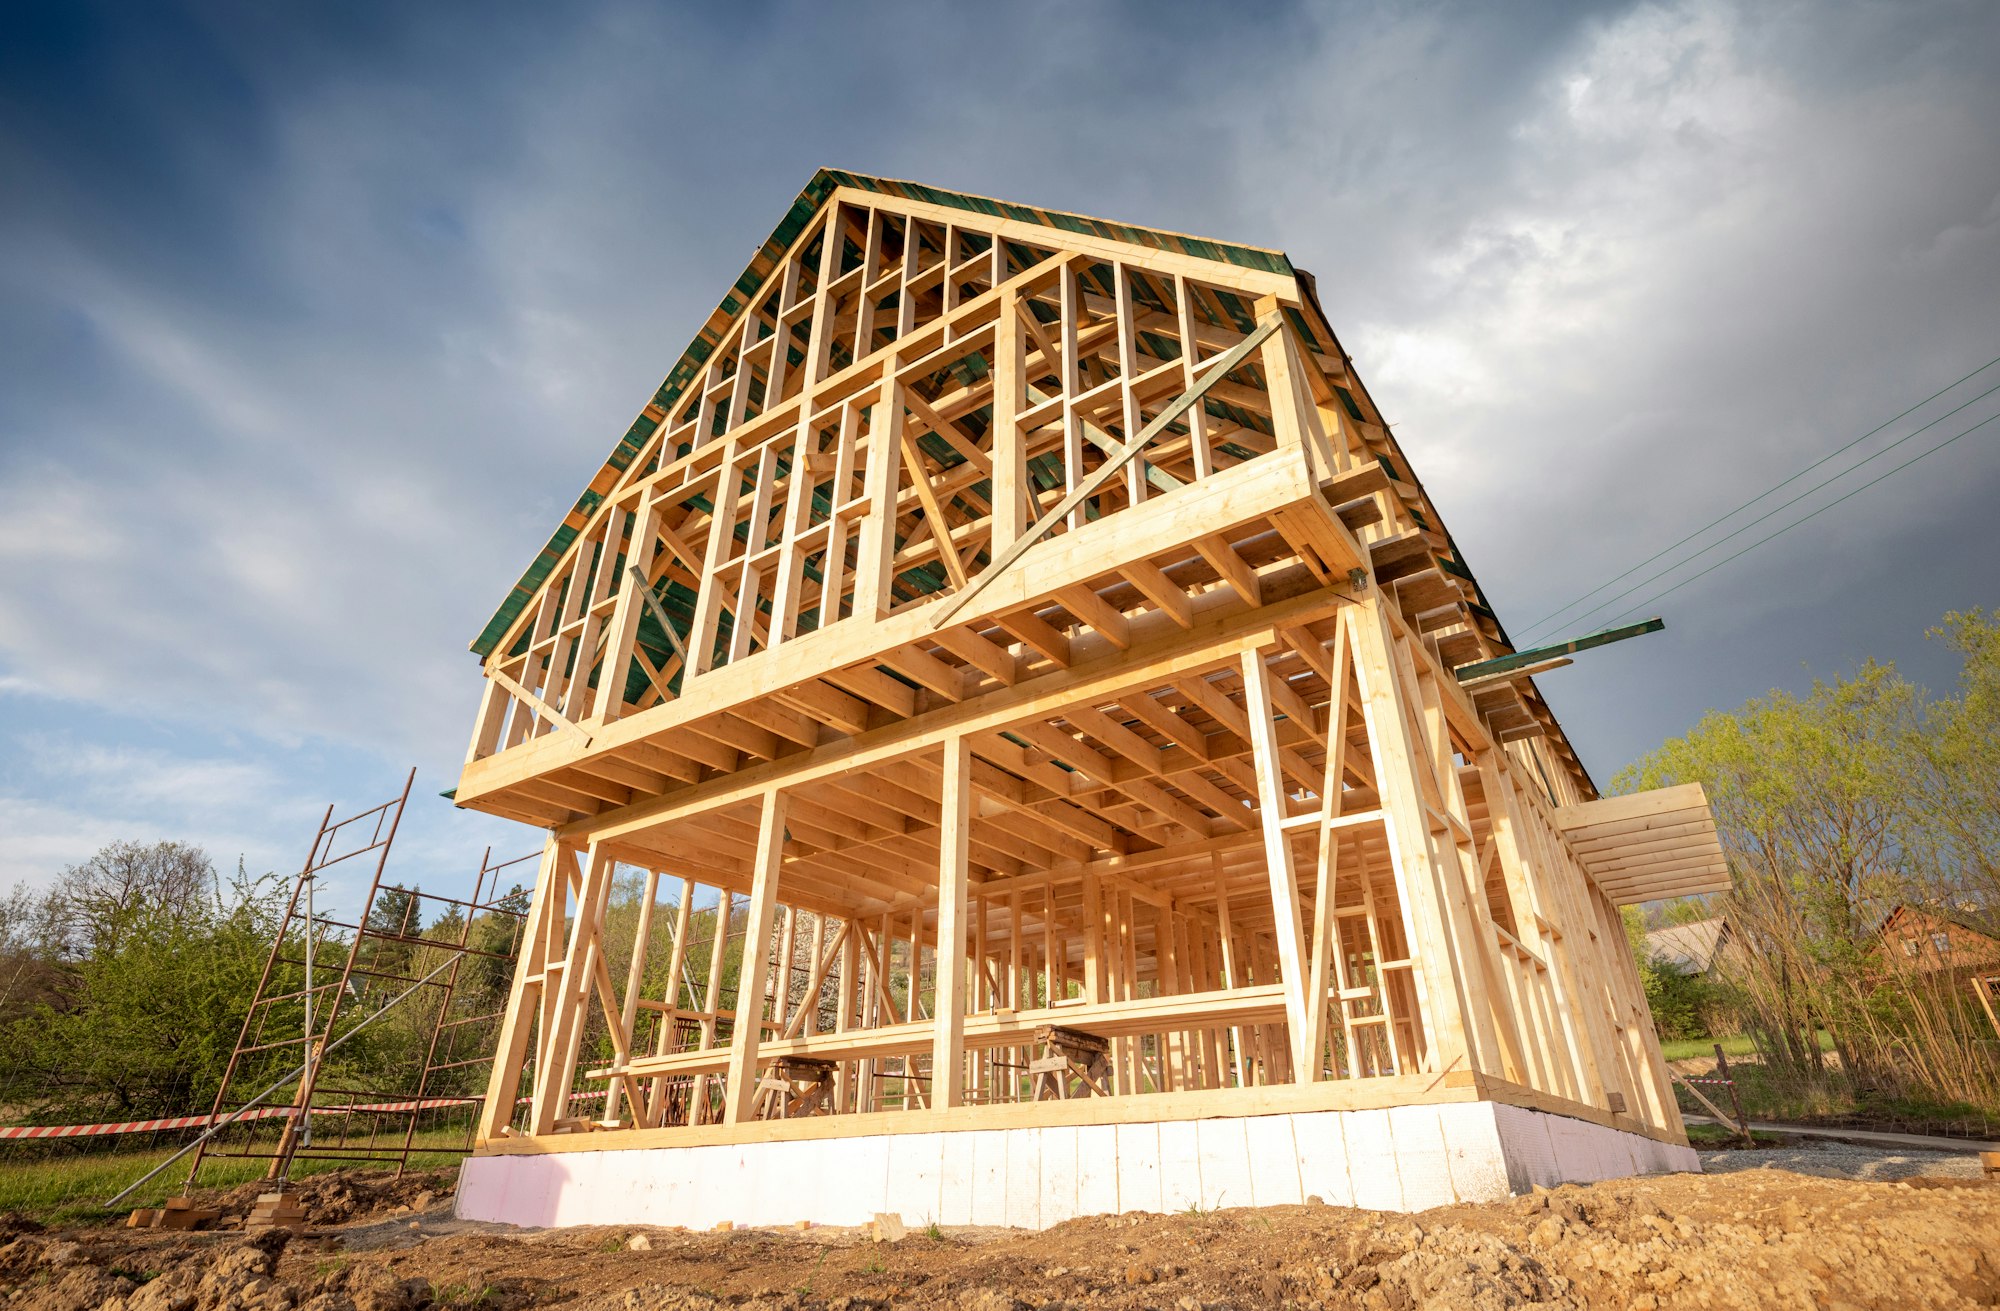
(299, 1003)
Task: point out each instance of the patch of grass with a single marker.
(1922, 1109)
(1712, 1136)
(1687, 1049)
(1828, 1096)
(1734, 1046)
(874, 1265)
(613, 1243)
(932, 1232)
(70, 1189)
(1778, 1096)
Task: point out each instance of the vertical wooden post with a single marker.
(553, 934)
(656, 1097)
(1231, 978)
(1014, 965)
(721, 540)
(1093, 937)
(843, 1012)
(1280, 378)
(580, 963)
(739, 1098)
(781, 976)
(1052, 989)
(1010, 467)
(877, 545)
(954, 854)
(718, 945)
(1285, 920)
(624, 629)
(1070, 298)
(1395, 752)
(517, 1026)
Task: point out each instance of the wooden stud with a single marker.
(742, 1087)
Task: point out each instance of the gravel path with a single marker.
(1837, 1160)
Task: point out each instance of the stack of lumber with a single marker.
(279, 1210)
(179, 1213)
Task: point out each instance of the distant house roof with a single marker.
(1690, 947)
(1956, 918)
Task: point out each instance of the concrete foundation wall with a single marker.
(1401, 1159)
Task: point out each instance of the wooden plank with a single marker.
(1288, 930)
(1356, 1094)
(741, 1092)
(1095, 480)
(1162, 591)
(1635, 805)
(523, 998)
(954, 832)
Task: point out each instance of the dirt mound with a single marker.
(1760, 1238)
(13, 1224)
(58, 1274)
(340, 1197)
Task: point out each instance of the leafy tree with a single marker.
(157, 964)
(1833, 808)
(397, 911)
(495, 936)
(1955, 789)
(95, 901)
(1806, 793)
(1682, 1003)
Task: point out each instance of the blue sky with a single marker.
(313, 319)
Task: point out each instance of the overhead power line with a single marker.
(1657, 598)
(1654, 577)
(1539, 624)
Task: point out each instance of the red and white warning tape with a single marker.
(203, 1121)
(129, 1126)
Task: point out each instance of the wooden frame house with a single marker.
(1019, 638)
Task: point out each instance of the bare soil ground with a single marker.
(1754, 1237)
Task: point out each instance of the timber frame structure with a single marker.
(1026, 633)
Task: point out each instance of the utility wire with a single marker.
(1538, 625)
(1654, 600)
(1654, 577)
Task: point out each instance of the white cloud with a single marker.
(112, 794)
(1696, 248)
(1606, 273)
(42, 837)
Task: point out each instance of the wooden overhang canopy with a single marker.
(1649, 845)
